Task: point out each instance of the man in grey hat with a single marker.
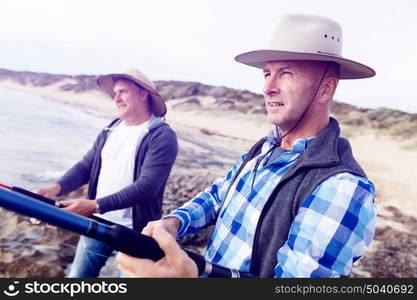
(297, 204)
(127, 168)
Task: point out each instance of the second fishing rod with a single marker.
(118, 237)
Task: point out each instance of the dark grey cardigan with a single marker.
(154, 160)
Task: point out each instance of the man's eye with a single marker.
(286, 73)
(266, 75)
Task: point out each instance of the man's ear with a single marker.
(328, 88)
(144, 94)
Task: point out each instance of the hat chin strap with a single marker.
(280, 138)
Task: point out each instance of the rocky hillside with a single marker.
(393, 122)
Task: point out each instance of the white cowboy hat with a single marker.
(307, 37)
(106, 83)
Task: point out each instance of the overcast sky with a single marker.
(197, 40)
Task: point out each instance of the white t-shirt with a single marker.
(117, 166)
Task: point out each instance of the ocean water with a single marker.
(40, 139)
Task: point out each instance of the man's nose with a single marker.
(116, 96)
(271, 86)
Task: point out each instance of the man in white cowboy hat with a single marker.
(297, 204)
(127, 168)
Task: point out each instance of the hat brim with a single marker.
(349, 69)
(106, 83)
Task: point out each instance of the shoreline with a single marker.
(92, 102)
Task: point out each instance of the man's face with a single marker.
(130, 100)
(288, 88)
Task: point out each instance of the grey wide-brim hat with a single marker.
(106, 83)
(307, 37)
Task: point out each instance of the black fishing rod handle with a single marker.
(133, 243)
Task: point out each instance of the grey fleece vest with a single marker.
(327, 155)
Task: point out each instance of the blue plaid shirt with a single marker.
(331, 230)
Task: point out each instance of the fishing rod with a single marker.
(48, 201)
(118, 237)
